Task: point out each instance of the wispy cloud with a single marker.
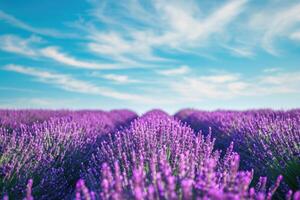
(130, 32)
(55, 54)
(15, 44)
(175, 71)
(117, 78)
(175, 26)
(221, 78)
(295, 35)
(229, 86)
(41, 31)
(208, 87)
(275, 22)
(288, 80)
(272, 69)
(122, 79)
(282, 22)
(69, 83)
(114, 46)
(242, 51)
(28, 47)
(188, 27)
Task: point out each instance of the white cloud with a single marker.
(114, 46)
(15, 44)
(295, 36)
(175, 71)
(41, 31)
(237, 86)
(221, 78)
(28, 47)
(240, 51)
(193, 89)
(281, 23)
(272, 69)
(175, 26)
(132, 31)
(187, 27)
(119, 78)
(229, 86)
(291, 80)
(273, 23)
(208, 87)
(69, 83)
(55, 54)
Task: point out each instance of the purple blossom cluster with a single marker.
(268, 141)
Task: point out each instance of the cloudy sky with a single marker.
(143, 54)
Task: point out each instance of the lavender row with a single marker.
(268, 141)
(158, 157)
(51, 148)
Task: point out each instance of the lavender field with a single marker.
(87, 155)
(149, 100)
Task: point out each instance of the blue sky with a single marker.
(149, 54)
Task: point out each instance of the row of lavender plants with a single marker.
(159, 157)
(268, 141)
(50, 148)
(85, 155)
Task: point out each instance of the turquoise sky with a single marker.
(149, 54)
